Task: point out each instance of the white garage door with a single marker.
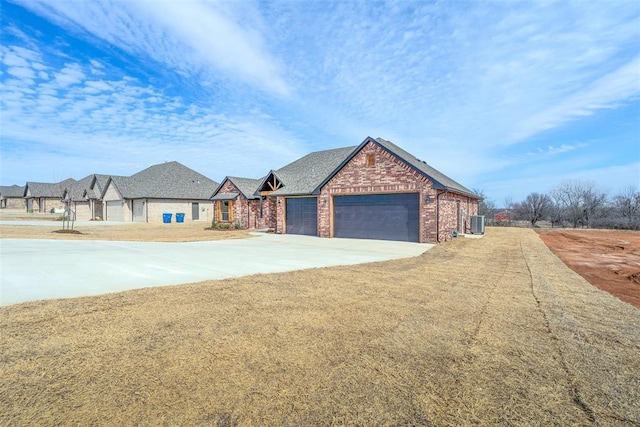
(115, 211)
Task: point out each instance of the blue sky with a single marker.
(508, 97)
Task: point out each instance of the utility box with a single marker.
(477, 224)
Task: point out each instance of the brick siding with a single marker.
(388, 174)
(246, 212)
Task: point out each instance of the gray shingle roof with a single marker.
(11, 191)
(305, 174)
(47, 189)
(97, 185)
(170, 180)
(308, 174)
(247, 186)
(225, 196)
(77, 191)
(440, 180)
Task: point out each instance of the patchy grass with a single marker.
(475, 331)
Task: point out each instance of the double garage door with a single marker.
(377, 216)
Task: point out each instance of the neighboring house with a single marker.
(12, 197)
(235, 202)
(93, 194)
(504, 215)
(77, 196)
(164, 188)
(43, 197)
(373, 191)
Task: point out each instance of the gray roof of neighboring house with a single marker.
(77, 191)
(305, 174)
(97, 185)
(47, 189)
(170, 180)
(11, 191)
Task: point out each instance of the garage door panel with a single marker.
(115, 212)
(380, 216)
(302, 216)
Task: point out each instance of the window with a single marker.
(371, 160)
(224, 210)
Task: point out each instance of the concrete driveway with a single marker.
(32, 269)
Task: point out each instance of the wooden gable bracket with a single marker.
(271, 184)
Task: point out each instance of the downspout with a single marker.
(438, 217)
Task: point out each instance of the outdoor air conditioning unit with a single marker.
(477, 224)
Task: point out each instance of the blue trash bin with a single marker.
(179, 217)
(166, 218)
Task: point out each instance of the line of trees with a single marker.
(575, 204)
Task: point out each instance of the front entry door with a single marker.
(195, 211)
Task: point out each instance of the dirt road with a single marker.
(474, 332)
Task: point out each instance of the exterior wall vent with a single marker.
(477, 224)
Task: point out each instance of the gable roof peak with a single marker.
(440, 180)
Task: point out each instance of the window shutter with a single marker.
(230, 210)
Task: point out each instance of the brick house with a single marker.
(12, 197)
(167, 187)
(504, 215)
(375, 190)
(235, 201)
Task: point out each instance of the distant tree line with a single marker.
(573, 204)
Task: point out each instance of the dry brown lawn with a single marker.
(474, 332)
(190, 231)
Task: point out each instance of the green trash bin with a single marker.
(179, 217)
(166, 218)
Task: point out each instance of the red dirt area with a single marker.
(608, 259)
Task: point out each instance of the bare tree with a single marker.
(580, 202)
(556, 213)
(69, 215)
(627, 207)
(594, 202)
(508, 206)
(485, 205)
(533, 208)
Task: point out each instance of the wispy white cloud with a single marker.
(556, 149)
(480, 90)
(609, 91)
(201, 39)
(77, 118)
